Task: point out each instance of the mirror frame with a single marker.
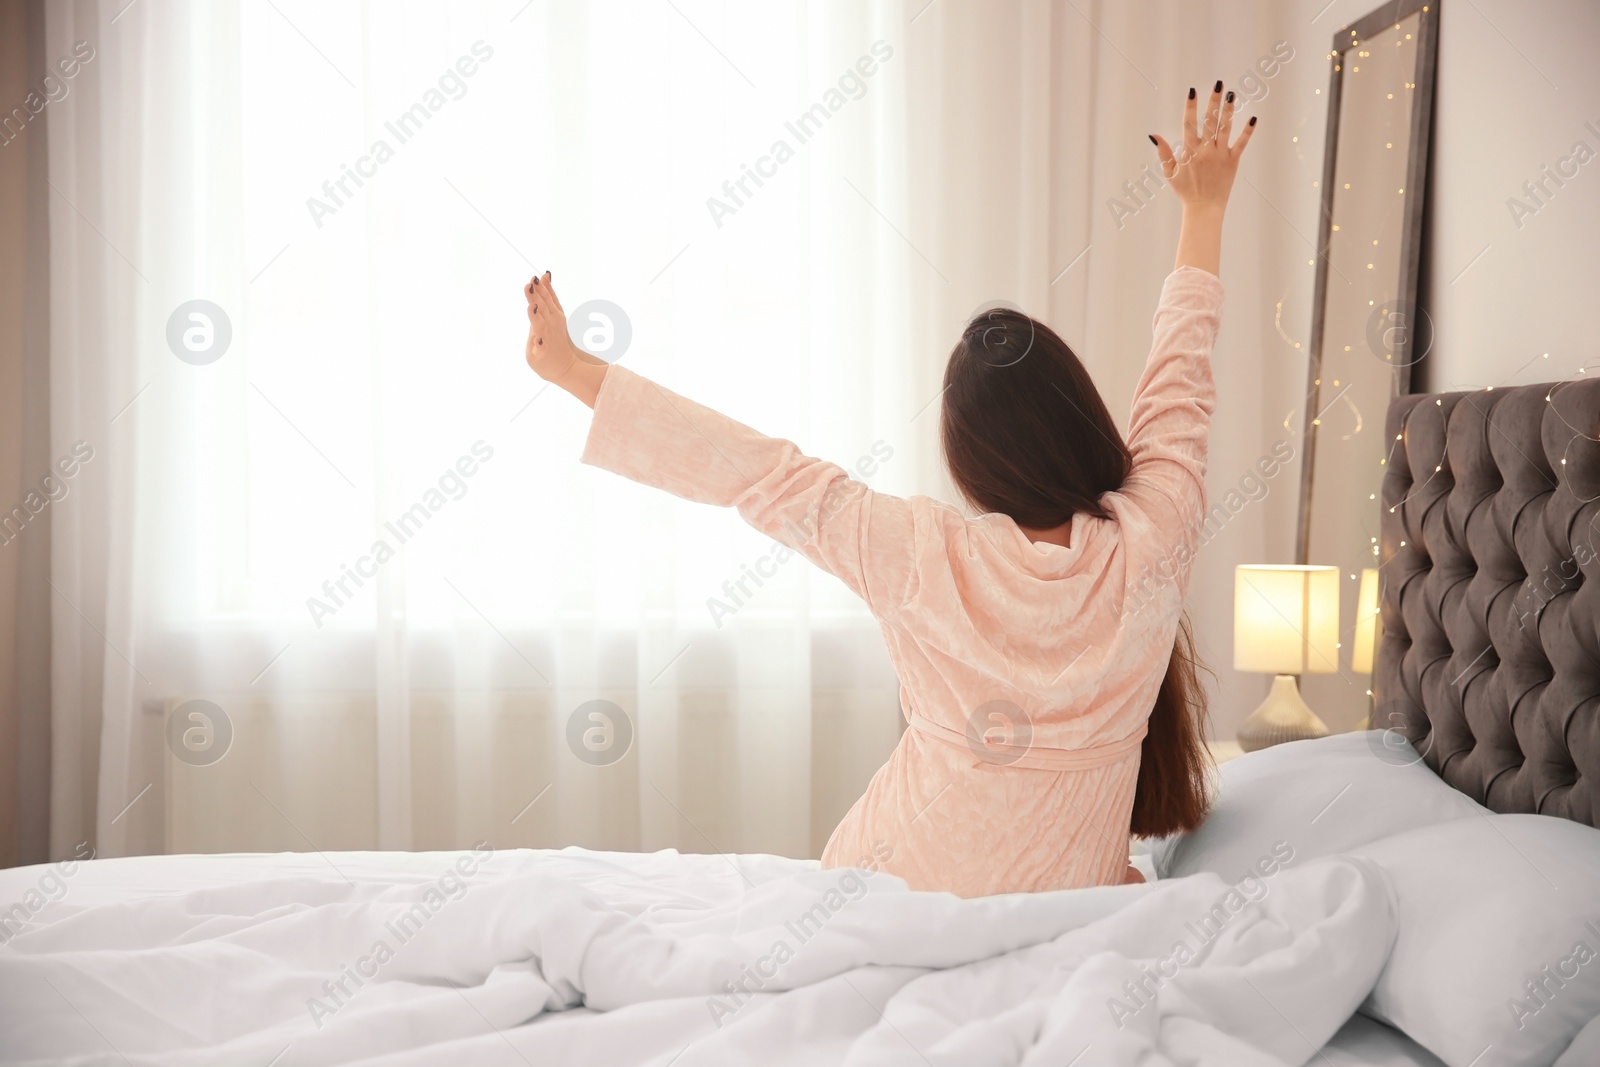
(1411, 226)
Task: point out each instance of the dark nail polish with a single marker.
(1191, 92)
(1230, 96)
(1218, 87)
(1152, 138)
(1252, 120)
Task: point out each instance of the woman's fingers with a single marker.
(1213, 109)
(1244, 137)
(531, 292)
(547, 290)
(1225, 126)
(1169, 162)
(541, 297)
(1191, 136)
(547, 321)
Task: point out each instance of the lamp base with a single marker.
(1283, 716)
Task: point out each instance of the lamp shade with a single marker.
(1366, 622)
(1286, 619)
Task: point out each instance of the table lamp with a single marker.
(1285, 623)
(1366, 634)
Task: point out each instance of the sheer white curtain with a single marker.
(362, 190)
(375, 369)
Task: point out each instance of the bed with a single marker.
(1424, 893)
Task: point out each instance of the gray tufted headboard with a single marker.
(1490, 593)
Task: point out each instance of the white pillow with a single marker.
(1497, 960)
(1585, 1050)
(1304, 799)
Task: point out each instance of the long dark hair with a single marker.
(1025, 433)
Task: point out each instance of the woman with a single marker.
(1047, 678)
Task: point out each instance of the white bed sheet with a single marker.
(208, 959)
(1361, 1042)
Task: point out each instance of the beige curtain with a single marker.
(25, 493)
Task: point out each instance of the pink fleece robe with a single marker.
(1027, 669)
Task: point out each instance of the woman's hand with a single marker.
(550, 351)
(1201, 173)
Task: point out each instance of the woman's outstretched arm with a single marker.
(652, 435)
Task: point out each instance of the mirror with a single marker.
(1367, 332)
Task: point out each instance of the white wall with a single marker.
(1518, 89)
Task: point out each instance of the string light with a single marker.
(1400, 437)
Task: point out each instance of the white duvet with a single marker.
(525, 957)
